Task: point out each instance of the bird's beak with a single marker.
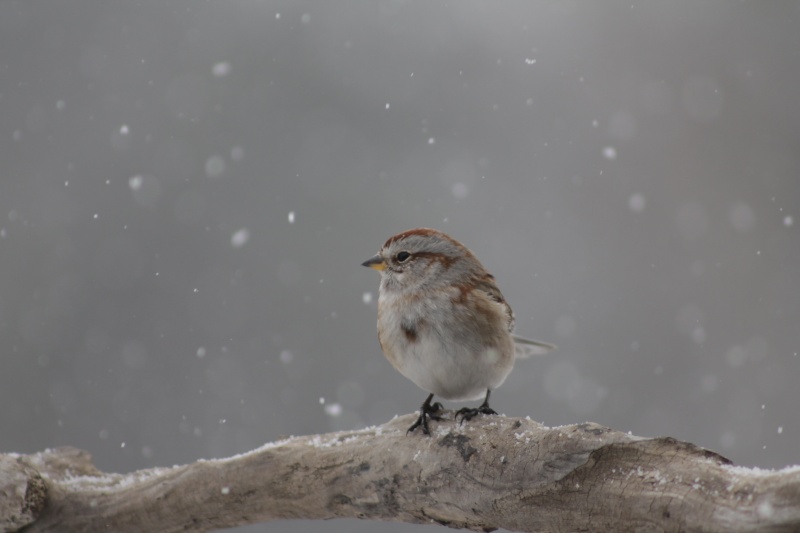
(376, 262)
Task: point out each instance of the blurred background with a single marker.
(187, 190)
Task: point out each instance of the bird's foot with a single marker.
(468, 413)
(427, 411)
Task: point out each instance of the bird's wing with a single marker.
(487, 285)
(527, 347)
(522, 347)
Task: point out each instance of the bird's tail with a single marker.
(527, 347)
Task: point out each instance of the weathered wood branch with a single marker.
(492, 472)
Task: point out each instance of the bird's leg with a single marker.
(425, 412)
(468, 413)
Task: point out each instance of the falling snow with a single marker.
(221, 69)
(215, 166)
(741, 217)
(333, 409)
(610, 153)
(736, 355)
(636, 203)
(765, 509)
(459, 190)
(291, 217)
(240, 238)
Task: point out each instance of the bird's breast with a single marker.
(442, 350)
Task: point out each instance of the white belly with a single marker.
(447, 352)
(453, 372)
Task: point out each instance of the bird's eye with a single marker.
(402, 257)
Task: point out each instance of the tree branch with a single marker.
(492, 472)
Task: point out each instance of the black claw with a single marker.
(426, 411)
(468, 413)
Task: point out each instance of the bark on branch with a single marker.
(492, 472)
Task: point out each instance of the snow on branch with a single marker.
(492, 472)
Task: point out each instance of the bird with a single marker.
(443, 322)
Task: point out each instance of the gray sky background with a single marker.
(187, 189)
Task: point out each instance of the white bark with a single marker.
(492, 472)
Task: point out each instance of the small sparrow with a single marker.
(443, 323)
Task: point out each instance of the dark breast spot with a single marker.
(409, 330)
